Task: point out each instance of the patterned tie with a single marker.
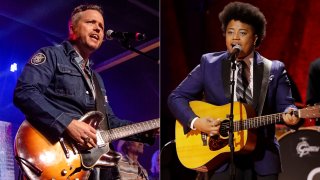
(243, 91)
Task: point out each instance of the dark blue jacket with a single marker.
(52, 91)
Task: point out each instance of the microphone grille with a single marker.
(237, 46)
(109, 34)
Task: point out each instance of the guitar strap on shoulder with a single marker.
(264, 84)
(100, 102)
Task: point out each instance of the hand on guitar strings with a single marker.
(82, 133)
(208, 125)
(290, 118)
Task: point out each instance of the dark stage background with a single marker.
(131, 80)
(192, 28)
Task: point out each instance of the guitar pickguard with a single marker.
(216, 143)
(100, 156)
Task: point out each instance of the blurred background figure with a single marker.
(155, 166)
(313, 91)
(129, 166)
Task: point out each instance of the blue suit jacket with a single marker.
(210, 81)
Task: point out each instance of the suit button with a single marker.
(87, 92)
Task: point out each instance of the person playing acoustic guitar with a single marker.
(263, 84)
(58, 86)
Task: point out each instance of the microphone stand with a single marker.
(126, 43)
(232, 59)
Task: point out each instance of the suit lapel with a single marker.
(257, 81)
(261, 73)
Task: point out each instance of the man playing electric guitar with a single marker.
(58, 86)
(263, 84)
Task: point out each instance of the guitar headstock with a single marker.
(310, 112)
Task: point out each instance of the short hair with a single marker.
(75, 13)
(245, 13)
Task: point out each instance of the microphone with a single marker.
(235, 52)
(124, 36)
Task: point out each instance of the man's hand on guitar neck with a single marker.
(82, 133)
(290, 119)
(207, 125)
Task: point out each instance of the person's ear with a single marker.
(71, 28)
(71, 31)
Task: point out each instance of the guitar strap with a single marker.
(100, 102)
(264, 84)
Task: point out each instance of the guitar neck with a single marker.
(307, 112)
(257, 122)
(128, 130)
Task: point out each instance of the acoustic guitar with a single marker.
(198, 151)
(39, 158)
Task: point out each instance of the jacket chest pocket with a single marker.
(68, 80)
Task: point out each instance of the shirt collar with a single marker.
(69, 49)
(249, 59)
(79, 59)
(132, 162)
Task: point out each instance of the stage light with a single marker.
(14, 67)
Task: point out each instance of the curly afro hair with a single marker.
(245, 13)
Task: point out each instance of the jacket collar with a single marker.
(70, 51)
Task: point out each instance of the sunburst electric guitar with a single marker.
(39, 158)
(200, 152)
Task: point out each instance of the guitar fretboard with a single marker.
(128, 130)
(257, 122)
(308, 112)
